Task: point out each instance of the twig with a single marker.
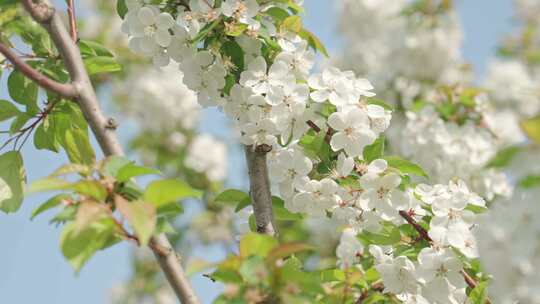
(313, 126)
(329, 132)
(72, 20)
(106, 137)
(63, 89)
(424, 234)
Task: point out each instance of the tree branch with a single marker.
(62, 89)
(259, 188)
(72, 20)
(43, 13)
(424, 234)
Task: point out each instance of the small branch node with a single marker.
(112, 124)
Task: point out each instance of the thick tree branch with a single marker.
(43, 13)
(259, 188)
(62, 89)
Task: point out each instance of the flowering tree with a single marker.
(314, 142)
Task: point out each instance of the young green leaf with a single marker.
(101, 64)
(78, 148)
(12, 177)
(166, 191)
(79, 244)
(131, 170)
(405, 166)
(7, 110)
(93, 49)
(281, 213)
(49, 204)
(141, 216)
(314, 42)
(45, 139)
(121, 8)
(231, 196)
(22, 89)
(375, 150)
(292, 23)
(531, 127)
(256, 244)
(504, 157)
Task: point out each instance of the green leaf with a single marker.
(531, 127)
(93, 49)
(314, 42)
(131, 170)
(231, 196)
(479, 294)
(333, 275)
(8, 2)
(233, 51)
(277, 13)
(101, 64)
(243, 204)
(71, 169)
(389, 235)
(405, 166)
(49, 204)
(79, 244)
(162, 192)
(236, 29)
(375, 150)
(85, 187)
(286, 250)
(121, 8)
(113, 164)
(380, 102)
(78, 147)
(256, 244)
(7, 110)
(44, 139)
(292, 23)
(503, 157)
(22, 89)
(530, 181)
(19, 122)
(12, 177)
(281, 213)
(141, 216)
(49, 184)
(90, 188)
(252, 270)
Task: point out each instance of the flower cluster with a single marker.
(509, 244)
(159, 99)
(163, 106)
(521, 91)
(435, 276)
(319, 127)
(448, 150)
(271, 100)
(389, 44)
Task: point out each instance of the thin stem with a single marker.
(72, 20)
(424, 234)
(63, 89)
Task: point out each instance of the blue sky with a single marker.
(32, 269)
